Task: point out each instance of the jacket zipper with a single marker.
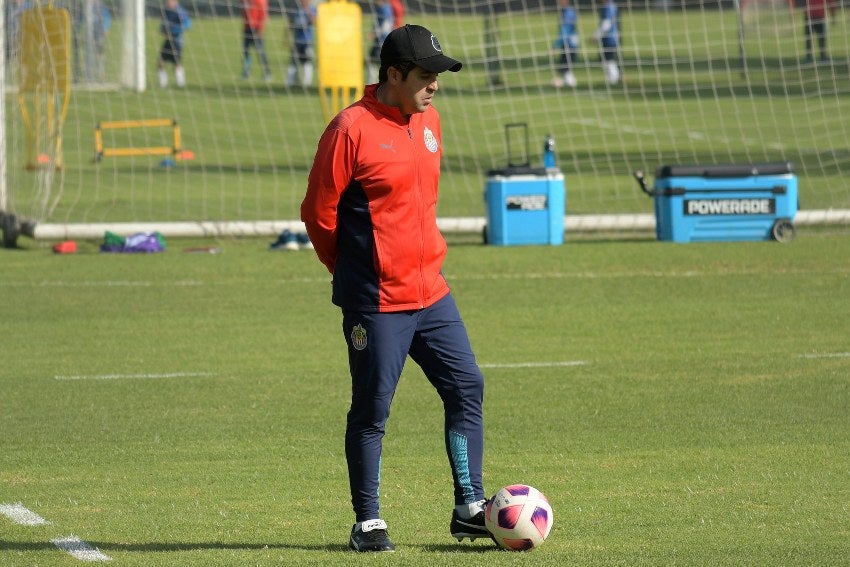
(421, 216)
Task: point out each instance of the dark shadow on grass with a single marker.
(471, 239)
(257, 90)
(166, 547)
(157, 547)
(456, 548)
(25, 545)
(610, 237)
(210, 168)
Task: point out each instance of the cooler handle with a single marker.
(639, 176)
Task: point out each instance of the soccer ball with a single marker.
(518, 517)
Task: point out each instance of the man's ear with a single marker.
(393, 75)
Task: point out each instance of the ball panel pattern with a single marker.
(517, 544)
(518, 489)
(540, 519)
(519, 517)
(509, 516)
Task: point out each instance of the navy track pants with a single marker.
(378, 345)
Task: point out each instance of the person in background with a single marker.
(607, 35)
(398, 12)
(254, 16)
(13, 11)
(815, 27)
(301, 24)
(384, 23)
(371, 212)
(92, 20)
(567, 44)
(175, 21)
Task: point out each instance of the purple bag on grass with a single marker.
(139, 242)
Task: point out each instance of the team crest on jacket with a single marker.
(430, 140)
(358, 337)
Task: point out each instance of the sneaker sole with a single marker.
(461, 529)
(353, 547)
(472, 537)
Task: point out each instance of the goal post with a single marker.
(133, 45)
(3, 153)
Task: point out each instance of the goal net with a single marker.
(247, 140)
(765, 27)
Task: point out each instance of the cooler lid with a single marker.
(731, 170)
(518, 170)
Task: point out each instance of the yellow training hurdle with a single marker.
(173, 150)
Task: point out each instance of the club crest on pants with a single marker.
(358, 337)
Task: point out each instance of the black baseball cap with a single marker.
(412, 43)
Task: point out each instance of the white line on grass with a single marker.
(22, 515)
(534, 364)
(134, 376)
(80, 549)
(827, 355)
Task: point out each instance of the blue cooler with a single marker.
(701, 203)
(525, 206)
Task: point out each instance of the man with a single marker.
(567, 44)
(382, 26)
(254, 16)
(815, 27)
(175, 21)
(398, 12)
(607, 35)
(301, 24)
(92, 20)
(370, 211)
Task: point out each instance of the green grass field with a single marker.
(684, 101)
(678, 404)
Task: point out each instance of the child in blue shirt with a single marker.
(384, 23)
(301, 25)
(608, 37)
(567, 44)
(174, 22)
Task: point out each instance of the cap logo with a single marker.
(435, 44)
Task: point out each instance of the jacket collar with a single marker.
(370, 99)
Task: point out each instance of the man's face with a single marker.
(416, 91)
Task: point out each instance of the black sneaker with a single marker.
(473, 528)
(372, 536)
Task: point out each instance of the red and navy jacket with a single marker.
(254, 14)
(816, 9)
(371, 207)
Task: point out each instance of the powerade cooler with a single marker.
(701, 203)
(525, 205)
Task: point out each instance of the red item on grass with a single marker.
(67, 247)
